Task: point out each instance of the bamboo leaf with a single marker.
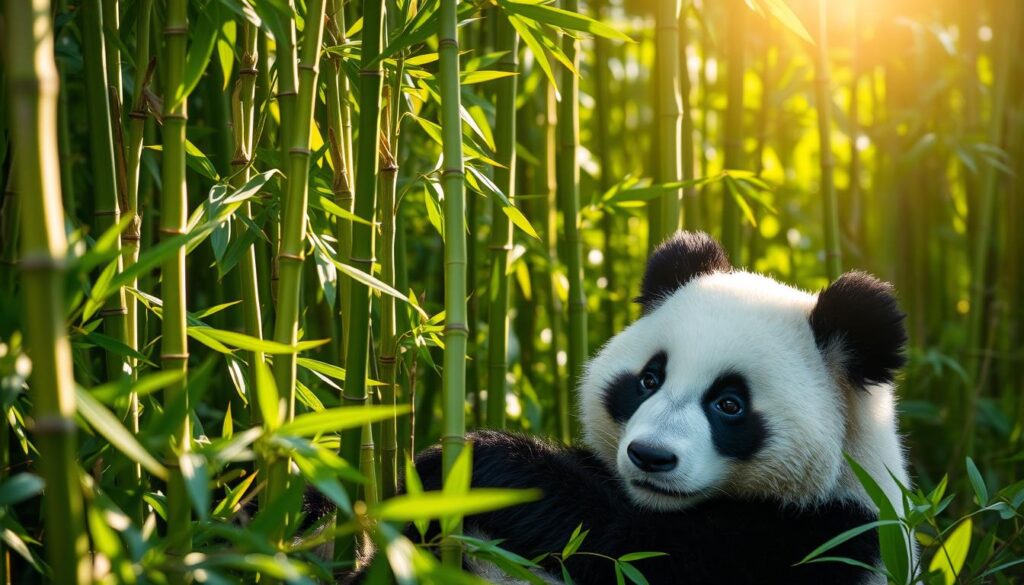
(519, 220)
(267, 398)
(197, 480)
(250, 343)
(20, 487)
(110, 428)
(784, 14)
(563, 19)
(433, 505)
(950, 557)
(338, 419)
(977, 482)
(203, 37)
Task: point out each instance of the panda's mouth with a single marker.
(661, 491)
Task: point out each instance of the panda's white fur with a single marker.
(752, 324)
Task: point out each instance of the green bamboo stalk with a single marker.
(830, 205)
(112, 22)
(339, 138)
(735, 34)
(173, 221)
(387, 360)
(293, 221)
(104, 172)
(554, 309)
(67, 165)
(131, 237)
(10, 214)
(501, 227)
(1009, 16)
(669, 120)
(453, 437)
(602, 85)
(32, 103)
(568, 173)
(243, 116)
(357, 352)
(691, 207)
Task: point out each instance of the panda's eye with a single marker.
(650, 381)
(729, 405)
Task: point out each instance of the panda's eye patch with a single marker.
(653, 374)
(729, 405)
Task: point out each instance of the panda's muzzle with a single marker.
(650, 458)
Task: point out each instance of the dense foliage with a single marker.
(253, 246)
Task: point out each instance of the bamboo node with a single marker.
(172, 231)
(180, 357)
(175, 116)
(293, 257)
(32, 262)
(176, 30)
(357, 260)
(359, 399)
(456, 328)
(137, 115)
(248, 71)
(242, 160)
(52, 424)
(102, 212)
(446, 43)
(286, 93)
(387, 359)
(370, 72)
(300, 150)
(453, 173)
(130, 238)
(113, 311)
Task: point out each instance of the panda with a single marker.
(714, 430)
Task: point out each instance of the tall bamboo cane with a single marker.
(173, 221)
(131, 237)
(357, 352)
(456, 333)
(339, 135)
(501, 227)
(32, 93)
(830, 205)
(387, 360)
(104, 172)
(669, 119)
(293, 222)
(603, 110)
(735, 31)
(243, 113)
(569, 200)
(690, 203)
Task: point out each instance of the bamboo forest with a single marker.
(255, 255)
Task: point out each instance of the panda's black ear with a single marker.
(678, 260)
(859, 319)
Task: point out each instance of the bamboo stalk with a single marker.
(243, 116)
(569, 200)
(691, 207)
(501, 227)
(602, 86)
(669, 120)
(293, 222)
(339, 124)
(101, 145)
(173, 221)
(32, 99)
(131, 237)
(830, 205)
(112, 22)
(357, 352)
(1008, 14)
(456, 333)
(732, 237)
(387, 360)
(549, 159)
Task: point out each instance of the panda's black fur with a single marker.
(719, 541)
(856, 324)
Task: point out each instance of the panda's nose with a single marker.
(650, 458)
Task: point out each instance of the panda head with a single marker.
(733, 384)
